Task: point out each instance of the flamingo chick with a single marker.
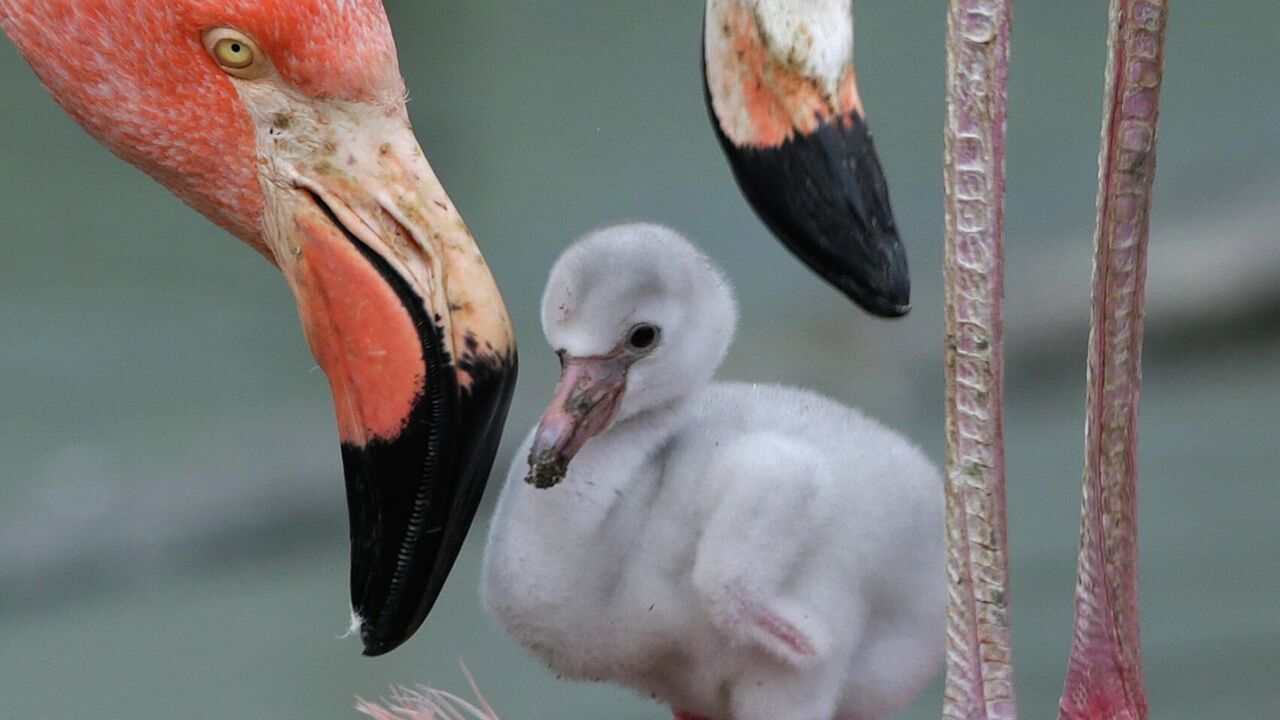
(739, 551)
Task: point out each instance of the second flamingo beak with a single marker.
(826, 198)
(404, 317)
(585, 404)
(784, 102)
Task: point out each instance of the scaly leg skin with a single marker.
(1104, 674)
(979, 684)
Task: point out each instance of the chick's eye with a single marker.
(233, 53)
(643, 336)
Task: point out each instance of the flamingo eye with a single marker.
(643, 336)
(233, 53)
(236, 53)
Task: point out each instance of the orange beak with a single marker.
(406, 320)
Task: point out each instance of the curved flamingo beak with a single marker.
(406, 320)
(783, 96)
(309, 157)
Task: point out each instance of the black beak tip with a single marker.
(412, 499)
(886, 308)
(825, 197)
(383, 629)
(378, 645)
(382, 633)
(881, 287)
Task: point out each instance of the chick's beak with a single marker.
(406, 320)
(585, 403)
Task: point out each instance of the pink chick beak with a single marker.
(585, 403)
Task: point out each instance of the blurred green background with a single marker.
(172, 526)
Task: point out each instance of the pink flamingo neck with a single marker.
(1104, 674)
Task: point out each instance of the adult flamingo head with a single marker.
(284, 122)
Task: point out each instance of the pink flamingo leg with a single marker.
(1104, 674)
(979, 684)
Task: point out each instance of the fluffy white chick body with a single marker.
(739, 551)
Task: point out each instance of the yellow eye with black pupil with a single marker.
(233, 53)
